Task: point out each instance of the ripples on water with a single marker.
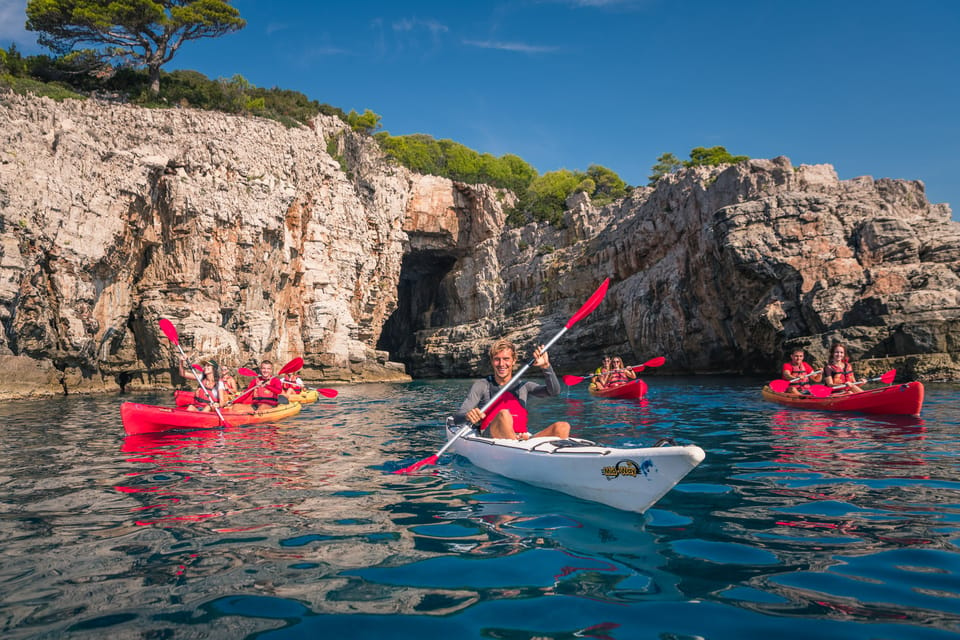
(798, 524)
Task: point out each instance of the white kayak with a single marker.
(628, 479)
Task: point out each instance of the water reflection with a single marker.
(845, 447)
(298, 529)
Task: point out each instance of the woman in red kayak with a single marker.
(617, 376)
(229, 382)
(292, 384)
(211, 392)
(838, 370)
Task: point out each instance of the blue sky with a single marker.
(869, 86)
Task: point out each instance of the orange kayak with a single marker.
(898, 399)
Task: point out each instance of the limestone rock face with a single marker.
(248, 236)
(725, 269)
(260, 241)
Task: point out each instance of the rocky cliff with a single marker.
(260, 241)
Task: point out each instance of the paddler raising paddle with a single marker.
(211, 393)
(508, 417)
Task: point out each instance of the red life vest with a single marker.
(512, 404)
(789, 373)
(268, 393)
(291, 385)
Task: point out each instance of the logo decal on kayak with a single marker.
(627, 469)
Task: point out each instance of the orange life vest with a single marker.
(840, 377)
(201, 399)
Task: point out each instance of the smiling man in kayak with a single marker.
(508, 417)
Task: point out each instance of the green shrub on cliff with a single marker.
(367, 122)
(81, 71)
(539, 198)
(544, 200)
(53, 90)
(666, 163)
(699, 157)
(446, 158)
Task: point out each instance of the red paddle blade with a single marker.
(416, 466)
(654, 362)
(198, 367)
(779, 386)
(572, 380)
(638, 368)
(294, 365)
(329, 393)
(820, 390)
(249, 373)
(169, 330)
(888, 377)
(590, 304)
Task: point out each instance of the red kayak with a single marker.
(899, 399)
(148, 418)
(633, 390)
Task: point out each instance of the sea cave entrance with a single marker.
(422, 302)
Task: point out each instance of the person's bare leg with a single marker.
(557, 429)
(502, 426)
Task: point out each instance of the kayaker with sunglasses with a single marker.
(211, 392)
(617, 375)
(602, 370)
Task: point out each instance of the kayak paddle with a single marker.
(294, 365)
(781, 385)
(583, 312)
(653, 362)
(171, 332)
(822, 391)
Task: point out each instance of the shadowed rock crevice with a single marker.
(423, 302)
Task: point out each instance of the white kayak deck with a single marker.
(632, 479)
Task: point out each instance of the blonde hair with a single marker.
(500, 345)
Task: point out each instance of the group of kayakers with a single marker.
(217, 388)
(507, 418)
(837, 373)
(611, 373)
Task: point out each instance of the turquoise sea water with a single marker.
(797, 525)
